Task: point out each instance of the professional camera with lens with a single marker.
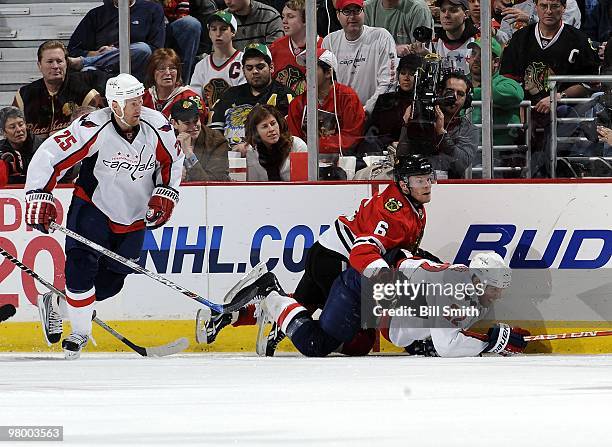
(428, 94)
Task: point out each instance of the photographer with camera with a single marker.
(455, 138)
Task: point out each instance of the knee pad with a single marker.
(361, 344)
(81, 269)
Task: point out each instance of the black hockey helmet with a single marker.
(412, 164)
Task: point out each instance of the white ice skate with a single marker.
(73, 345)
(50, 319)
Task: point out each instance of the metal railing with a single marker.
(554, 119)
(526, 148)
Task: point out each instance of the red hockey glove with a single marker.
(160, 206)
(506, 340)
(40, 210)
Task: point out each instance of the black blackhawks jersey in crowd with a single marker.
(530, 60)
(117, 176)
(45, 113)
(230, 113)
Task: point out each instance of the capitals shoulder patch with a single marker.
(393, 205)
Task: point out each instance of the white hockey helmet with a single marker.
(492, 270)
(123, 87)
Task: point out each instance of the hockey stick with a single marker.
(544, 337)
(568, 335)
(153, 351)
(234, 303)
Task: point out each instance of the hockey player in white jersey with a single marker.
(130, 172)
(342, 317)
(447, 335)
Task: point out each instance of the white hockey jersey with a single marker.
(210, 80)
(117, 176)
(448, 339)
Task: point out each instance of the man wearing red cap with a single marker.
(341, 116)
(366, 55)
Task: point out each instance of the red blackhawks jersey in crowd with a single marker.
(181, 93)
(383, 222)
(347, 111)
(286, 69)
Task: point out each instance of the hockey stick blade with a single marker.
(173, 347)
(139, 349)
(137, 268)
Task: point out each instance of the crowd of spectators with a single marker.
(230, 76)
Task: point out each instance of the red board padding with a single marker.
(299, 166)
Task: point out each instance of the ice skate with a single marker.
(209, 324)
(50, 319)
(73, 345)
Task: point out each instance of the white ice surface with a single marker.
(225, 399)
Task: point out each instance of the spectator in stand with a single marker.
(455, 137)
(230, 113)
(513, 16)
(222, 69)
(339, 108)
(17, 148)
(183, 33)
(366, 55)
(596, 19)
(457, 32)
(164, 84)
(205, 149)
(387, 120)
(93, 45)
(286, 49)
(327, 21)
(474, 12)
(269, 144)
(48, 102)
(400, 18)
(544, 48)
(507, 95)
(257, 22)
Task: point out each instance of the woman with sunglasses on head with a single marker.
(164, 84)
(270, 143)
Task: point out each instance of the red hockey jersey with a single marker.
(383, 222)
(286, 69)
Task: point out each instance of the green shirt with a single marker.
(401, 20)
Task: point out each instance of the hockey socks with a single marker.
(80, 310)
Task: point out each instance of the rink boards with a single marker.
(556, 236)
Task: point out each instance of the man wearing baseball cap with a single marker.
(341, 116)
(221, 69)
(366, 55)
(230, 113)
(205, 149)
(457, 31)
(507, 95)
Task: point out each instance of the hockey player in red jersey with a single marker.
(129, 156)
(393, 219)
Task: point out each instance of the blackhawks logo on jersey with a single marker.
(393, 205)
